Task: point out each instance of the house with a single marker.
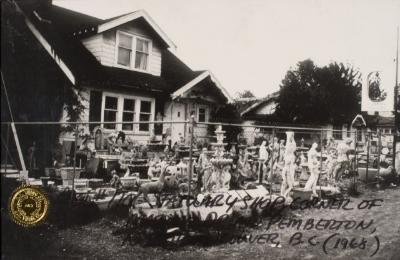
(262, 111)
(126, 71)
(258, 112)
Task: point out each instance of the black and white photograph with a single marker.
(213, 129)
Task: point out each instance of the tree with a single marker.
(226, 114)
(312, 94)
(245, 94)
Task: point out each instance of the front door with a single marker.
(178, 114)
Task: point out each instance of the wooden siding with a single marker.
(94, 45)
(177, 111)
(103, 46)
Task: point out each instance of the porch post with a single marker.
(191, 125)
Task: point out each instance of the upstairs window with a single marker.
(132, 51)
(142, 54)
(124, 49)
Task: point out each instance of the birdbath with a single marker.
(220, 165)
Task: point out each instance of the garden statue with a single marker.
(274, 148)
(32, 156)
(155, 188)
(331, 163)
(154, 166)
(282, 150)
(313, 167)
(98, 138)
(243, 164)
(204, 168)
(289, 166)
(342, 159)
(220, 176)
(262, 158)
(331, 144)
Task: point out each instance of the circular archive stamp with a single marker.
(28, 206)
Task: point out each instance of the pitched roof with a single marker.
(378, 120)
(112, 76)
(82, 25)
(53, 26)
(59, 30)
(175, 72)
(200, 78)
(269, 98)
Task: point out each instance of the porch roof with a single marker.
(205, 75)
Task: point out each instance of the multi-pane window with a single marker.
(119, 108)
(359, 135)
(128, 114)
(124, 49)
(338, 132)
(142, 54)
(202, 115)
(145, 114)
(133, 51)
(110, 111)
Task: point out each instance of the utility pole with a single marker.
(396, 112)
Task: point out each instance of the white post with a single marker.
(24, 172)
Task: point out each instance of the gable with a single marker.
(104, 45)
(140, 15)
(265, 106)
(80, 45)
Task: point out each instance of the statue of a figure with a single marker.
(282, 150)
(204, 166)
(32, 156)
(313, 167)
(342, 158)
(154, 166)
(289, 166)
(274, 148)
(243, 164)
(331, 144)
(262, 158)
(225, 178)
(331, 164)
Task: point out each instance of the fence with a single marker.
(258, 152)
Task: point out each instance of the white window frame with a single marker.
(145, 113)
(133, 53)
(337, 131)
(128, 111)
(120, 106)
(103, 109)
(205, 114)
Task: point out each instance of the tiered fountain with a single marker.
(220, 165)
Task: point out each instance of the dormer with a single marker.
(132, 41)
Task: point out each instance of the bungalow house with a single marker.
(262, 111)
(126, 70)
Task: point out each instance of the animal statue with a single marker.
(155, 188)
(167, 183)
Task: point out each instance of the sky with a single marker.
(251, 44)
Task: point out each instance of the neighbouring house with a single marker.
(261, 112)
(258, 112)
(126, 70)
